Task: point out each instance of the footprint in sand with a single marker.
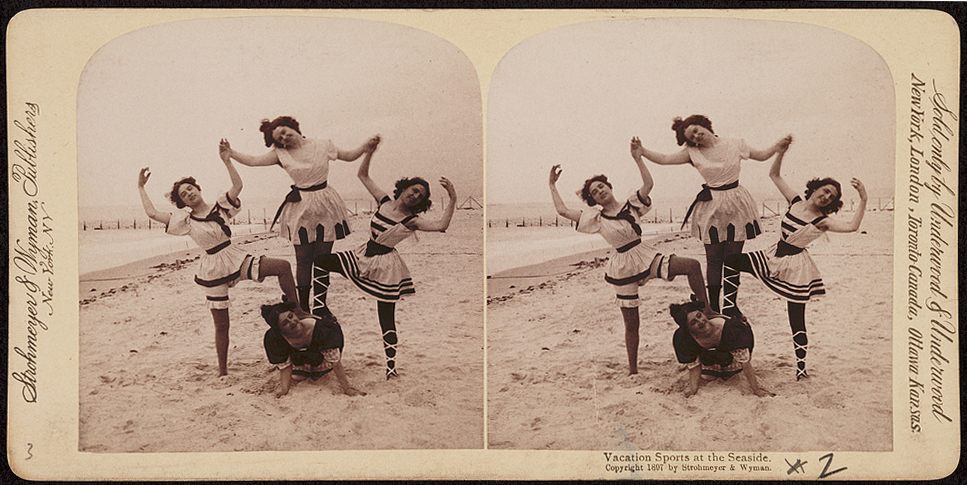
(535, 425)
(516, 376)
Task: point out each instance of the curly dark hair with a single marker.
(586, 190)
(679, 125)
(405, 182)
(267, 127)
(679, 312)
(837, 203)
(173, 195)
(270, 313)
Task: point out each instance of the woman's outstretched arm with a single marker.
(678, 158)
(441, 224)
(749, 374)
(559, 206)
(264, 160)
(367, 147)
(154, 214)
(776, 175)
(224, 152)
(834, 225)
(647, 182)
(764, 154)
(363, 174)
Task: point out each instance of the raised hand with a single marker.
(143, 176)
(855, 182)
(372, 143)
(448, 185)
(224, 150)
(783, 144)
(635, 146)
(555, 174)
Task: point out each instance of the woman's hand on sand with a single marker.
(448, 185)
(224, 150)
(763, 392)
(143, 176)
(352, 391)
(690, 391)
(555, 174)
(279, 392)
(855, 182)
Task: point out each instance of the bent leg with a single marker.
(283, 270)
(387, 323)
(691, 268)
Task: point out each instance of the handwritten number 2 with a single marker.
(30, 446)
(829, 460)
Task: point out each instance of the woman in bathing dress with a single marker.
(723, 213)
(786, 267)
(376, 268)
(303, 346)
(716, 346)
(635, 261)
(313, 215)
(223, 264)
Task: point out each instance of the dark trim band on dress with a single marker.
(630, 279)
(706, 195)
(628, 247)
(217, 298)
(219, 247)
(218, 281)
(295, 196)
(374, 248)
(785, 249)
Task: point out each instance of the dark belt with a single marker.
(219, 247)
(705, 195)
(295, 196)
(374, 248)
(785, 249)
(629, 246)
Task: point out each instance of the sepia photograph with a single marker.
(689, 236)
(280, 239)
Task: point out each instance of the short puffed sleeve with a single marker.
(276, 348)
(229, 206)
(639, 205)
(178, 224)
(743, 148)
(589, 222)
(327, 149)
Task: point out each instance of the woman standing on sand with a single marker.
(313, 215)
(223, 264)
(376, 268)
(723, 213)
(635, 261)
(786, 268)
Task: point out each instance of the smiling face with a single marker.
(289, 323)
(698, 323)
(189, 194)
(698, 135)
(824, 196)
(285, 136)
(600, 192)
(413, 195)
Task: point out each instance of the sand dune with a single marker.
(558, 378)
(148, 370)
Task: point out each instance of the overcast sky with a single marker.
(163, 97)
(577, 94)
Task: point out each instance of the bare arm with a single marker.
(363, 174)
(351, 155)
(285, 380)
(347, 389)
(693, 377)
(154, 214)
(559, 206)
(224, 152)
(764, 154)
(775, 175)
(749, 374)
(443, 223)
(833, 225)
(647, 183)
(678, 158)
(264, 160)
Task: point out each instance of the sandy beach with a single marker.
(148, 373)
(557, 370)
